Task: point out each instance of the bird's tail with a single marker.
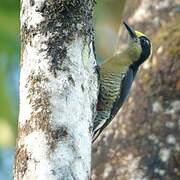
(96, 135)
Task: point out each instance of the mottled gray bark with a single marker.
(58, 90)
(142, 143)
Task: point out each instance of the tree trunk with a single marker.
(142, 143)
(58, 90)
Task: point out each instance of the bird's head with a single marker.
(139, 46)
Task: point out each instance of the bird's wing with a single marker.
(125, 88)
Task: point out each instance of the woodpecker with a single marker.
(116, 76)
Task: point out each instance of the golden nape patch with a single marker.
(139, 34)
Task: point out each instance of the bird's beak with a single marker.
(130, 31)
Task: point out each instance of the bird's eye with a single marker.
(146, 47)
(144, 41)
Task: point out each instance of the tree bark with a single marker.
(142, 143)
(58, 90)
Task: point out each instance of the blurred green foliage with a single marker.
(9, 59)
(108, 15)
(9, 25)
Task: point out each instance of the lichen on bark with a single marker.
(63, 21)
(56, 113)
